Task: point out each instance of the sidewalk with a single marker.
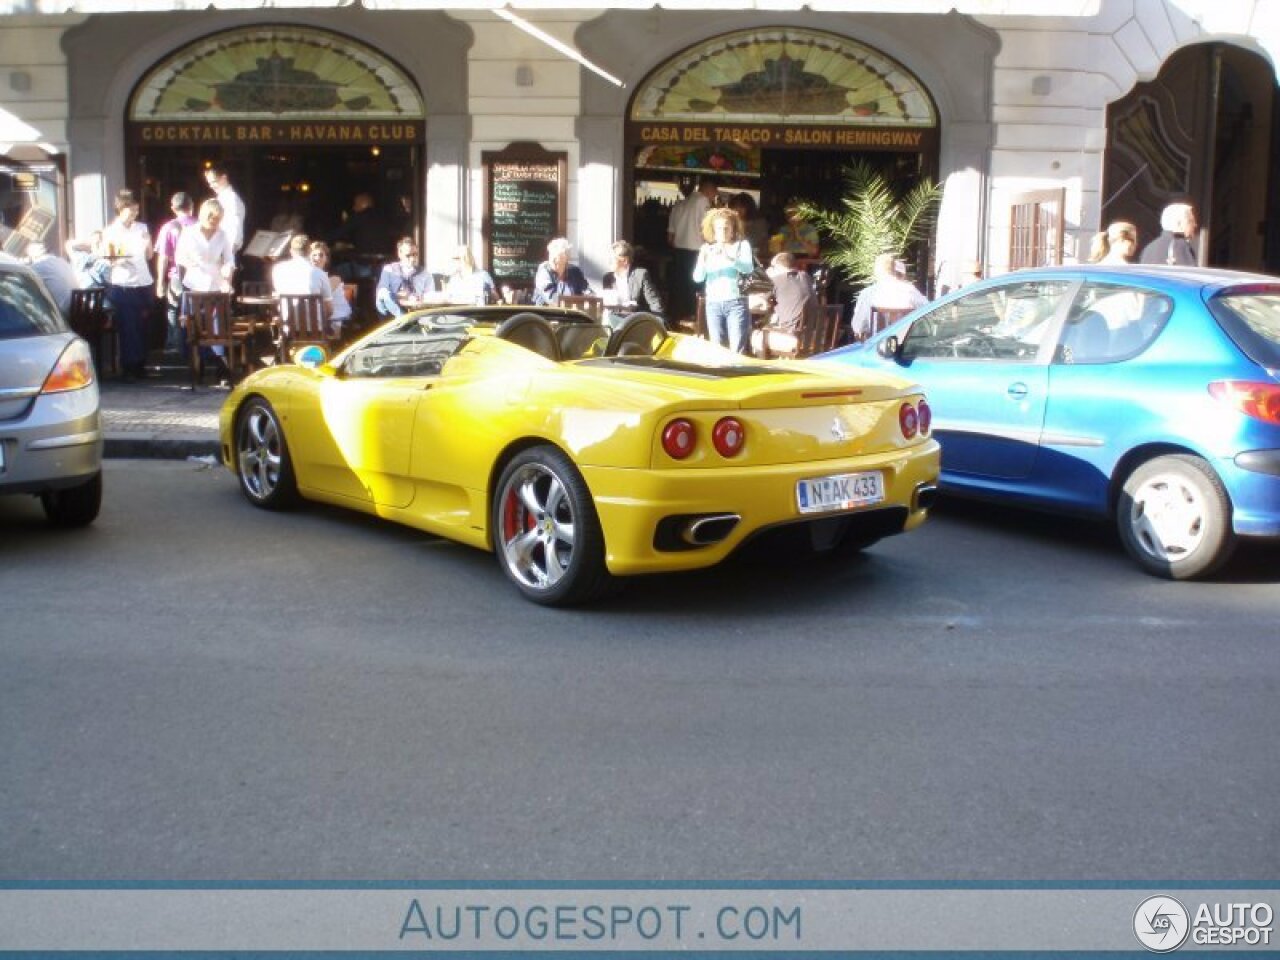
(161, 418)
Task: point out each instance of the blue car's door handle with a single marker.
(1017, 391)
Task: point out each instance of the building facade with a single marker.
(1041, 127)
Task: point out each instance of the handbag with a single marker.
(755, 282)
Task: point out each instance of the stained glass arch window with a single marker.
(275, 71)
(784, 75)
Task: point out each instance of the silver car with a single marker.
(50, 434)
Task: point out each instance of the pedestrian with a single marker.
(888, 291)
(204, 253)
(723, 258)
(754, 226)
(403, 285)
(1177, 230)
(168, 274)
(557, 277)
(88, 261)
(129, 250)
(797, 235)
(339, 305)
(59, 279)
(468, 283)
(684, 236)
(628, 288)
(233, 211)
(795, 307)
(1117, 244)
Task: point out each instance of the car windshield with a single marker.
(25, 311)
(416, 347)
(1252, 320)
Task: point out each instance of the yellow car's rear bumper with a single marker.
(633, 503)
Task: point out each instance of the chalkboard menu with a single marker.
(524, 208)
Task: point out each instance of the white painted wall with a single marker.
(1056, 139)
(503, 112)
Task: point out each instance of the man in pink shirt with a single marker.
(168, 275)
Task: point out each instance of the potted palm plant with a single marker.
(872, 219)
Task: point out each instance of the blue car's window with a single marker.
(1111, 322)
(1252, 320)
(25, 311)
(1007, 322)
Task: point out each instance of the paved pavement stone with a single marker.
(160, 418)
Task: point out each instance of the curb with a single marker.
(146, 446)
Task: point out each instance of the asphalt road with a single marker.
(195, 690)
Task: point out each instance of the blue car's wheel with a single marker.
(545, 529)
(1174, 518)
(262, 457)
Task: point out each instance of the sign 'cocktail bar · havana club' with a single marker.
(277, 132)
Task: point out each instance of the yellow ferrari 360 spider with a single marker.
(578, 453)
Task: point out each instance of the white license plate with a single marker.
(844, 491)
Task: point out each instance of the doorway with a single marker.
(1207, 130)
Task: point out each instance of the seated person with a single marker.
(340, 307)
(299, 276)
(59, 279)
(628, 288)
(557, 277)
(796, 305)
(888, 291)
(403, 285)
(467, 284)
(796, 236)
(92, 269)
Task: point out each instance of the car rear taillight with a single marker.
(925, 414)
(73, 371)
(1258, 400)
(908, 420)
(728, 436)
(678, 439)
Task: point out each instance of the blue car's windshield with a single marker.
(1252, 320)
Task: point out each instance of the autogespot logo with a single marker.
(1161, 924)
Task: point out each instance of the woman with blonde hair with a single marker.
(724, 257)
(1117, 244)
(467, 283)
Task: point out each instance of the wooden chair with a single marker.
(302, 322)
(89, 319)
(208, 320)
(821, 330)
(885, 318)
(591, 306)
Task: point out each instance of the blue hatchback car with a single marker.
(1147, 394)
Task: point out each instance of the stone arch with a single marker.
(270, 71)
(1204, 128)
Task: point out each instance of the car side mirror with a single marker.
(890, 348)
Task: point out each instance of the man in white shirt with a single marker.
(684, 236)
(889, 291)
(204, 252)
(205, 256)
(298, 275)
(232, 206)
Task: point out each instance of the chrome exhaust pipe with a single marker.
(925, 496)
(709, 529)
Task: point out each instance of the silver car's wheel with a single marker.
(546, 532)
(262, 457)
(1174, 518)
